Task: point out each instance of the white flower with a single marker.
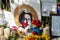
(6, 32)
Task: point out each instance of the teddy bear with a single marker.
(36, 27)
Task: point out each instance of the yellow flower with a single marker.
(37, 37)
(45, 36)
(32, 37)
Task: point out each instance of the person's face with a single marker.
(27, 18)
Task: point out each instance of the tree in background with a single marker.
(5, 4)
(58, 1)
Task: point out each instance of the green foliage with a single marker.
(0, 3)
(42, 39)
(2, 26)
